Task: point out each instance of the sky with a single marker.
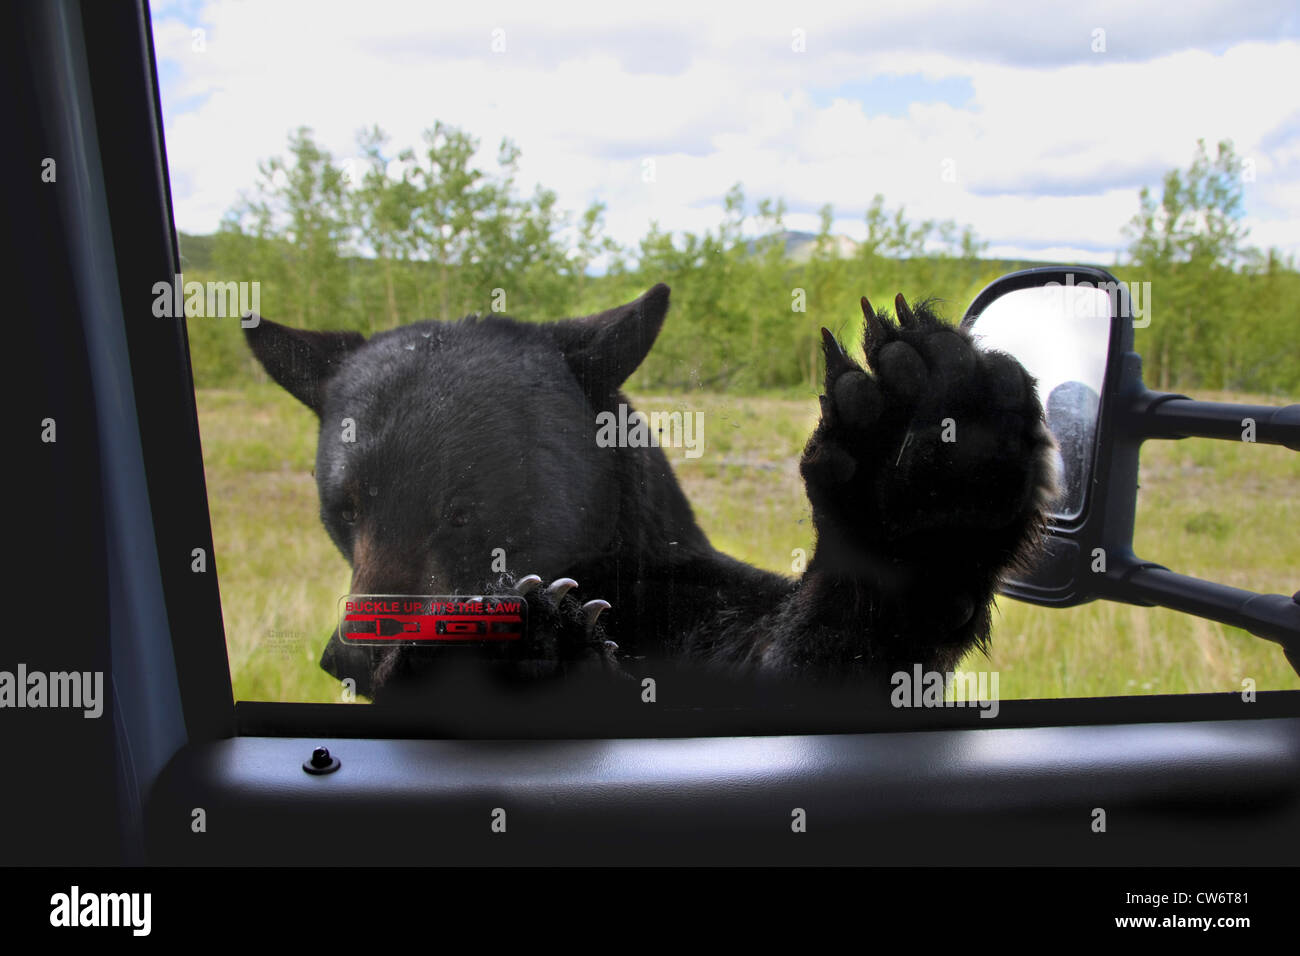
(1037, 123)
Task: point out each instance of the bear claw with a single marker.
(592, 610)
(837, 361)
(906, 318)
(560, 587)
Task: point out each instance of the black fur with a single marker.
(480, 434)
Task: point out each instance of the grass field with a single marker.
(1226, 511)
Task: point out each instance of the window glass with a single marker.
(642, 450)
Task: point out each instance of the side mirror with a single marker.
(1072, 328)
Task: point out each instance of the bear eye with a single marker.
(349, 515)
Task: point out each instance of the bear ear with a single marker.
(605, 348)
(300, 361)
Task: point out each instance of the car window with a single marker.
(697, 416)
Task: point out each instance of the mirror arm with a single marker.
(1273, 617)
(1166, 415)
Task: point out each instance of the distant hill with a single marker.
(800, 246)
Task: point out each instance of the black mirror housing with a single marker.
(1089, 554)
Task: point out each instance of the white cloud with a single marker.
(1048, 155)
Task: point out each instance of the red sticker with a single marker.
(430, 619)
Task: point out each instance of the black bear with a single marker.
(928, 477)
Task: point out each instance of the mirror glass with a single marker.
(1061, 334)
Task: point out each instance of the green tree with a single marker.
(382, 209)
(290, 234)
(1187, 245)
(456, 204)
(822, 275)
